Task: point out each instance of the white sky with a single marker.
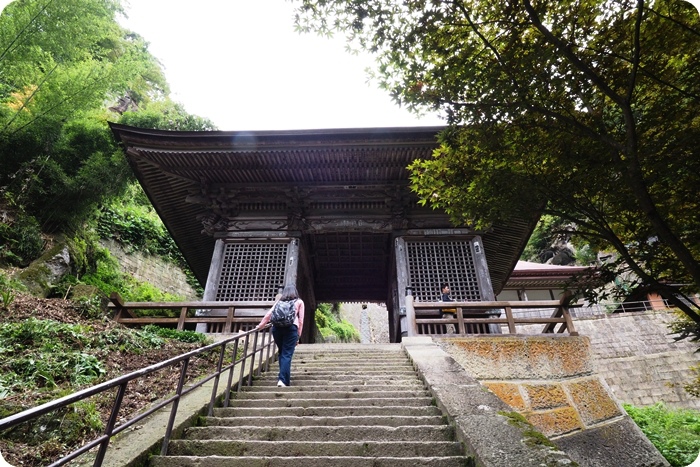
(241, 64)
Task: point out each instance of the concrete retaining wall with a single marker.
(552, 383)
(151, 269)
(638, 358)
(640, 361)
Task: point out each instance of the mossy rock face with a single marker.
(44, 273)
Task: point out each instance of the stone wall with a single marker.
(552, 383)
(371, 322)
(163, 275)
(638, 358)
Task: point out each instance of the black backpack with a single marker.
(283, 313)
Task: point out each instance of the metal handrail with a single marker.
(112, 429)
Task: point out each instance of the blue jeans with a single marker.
(286, 341)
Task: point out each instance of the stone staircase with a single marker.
(348, 406)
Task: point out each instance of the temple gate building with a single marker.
(328, 210)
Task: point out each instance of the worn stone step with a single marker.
(325, 433)
(350, 358)
(351, 371)
(353, 366)
(367, 359)
(306, 449)
(311, 380)
(333, 402)
(354, 420)
(345, 387)
(220, 461)
(336, 411)
(286, 393)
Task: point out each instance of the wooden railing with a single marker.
(424, 318)
(240, 316)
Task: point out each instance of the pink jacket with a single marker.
(298, 320)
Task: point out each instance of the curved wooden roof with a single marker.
(186, 175)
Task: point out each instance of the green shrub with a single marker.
(183, 336)
(20, 240)
(132, 222)
(329, 324)
(674, 432)
(89, 307)
(109, 278)
(47, 354)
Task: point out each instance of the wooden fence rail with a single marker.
(475, 317)
(240, 316)
(424, 318)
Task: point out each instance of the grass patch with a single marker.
(674, 432)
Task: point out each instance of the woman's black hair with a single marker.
(289, 292)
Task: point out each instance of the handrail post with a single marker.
(110, 424)
(258, 372)
(230, 373)
(173, 410)
(215, 388)
(252, 359)
(411, 326)
(271, 353)
(243, 362)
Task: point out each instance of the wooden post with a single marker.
(511, 321)
(460, 322)
(411, 327)
(229, 319)
(181, 321)
(569, 322)
(119, 305)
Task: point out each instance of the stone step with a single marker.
(286, 394)
(321, 373)
(216, 461)
(353, 420)
(346, 387)
(330, 402)
(325, 433)
(369, 360)
(311, 380)
(336, 411)
(307, 448)
(366, 358)
(345, 408)
(350, 364)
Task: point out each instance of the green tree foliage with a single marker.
(551, 242)
(588, 111)
(166, 115)
(60, 62)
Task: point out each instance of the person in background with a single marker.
(447, 312)
(286, 338)
(445, 291)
